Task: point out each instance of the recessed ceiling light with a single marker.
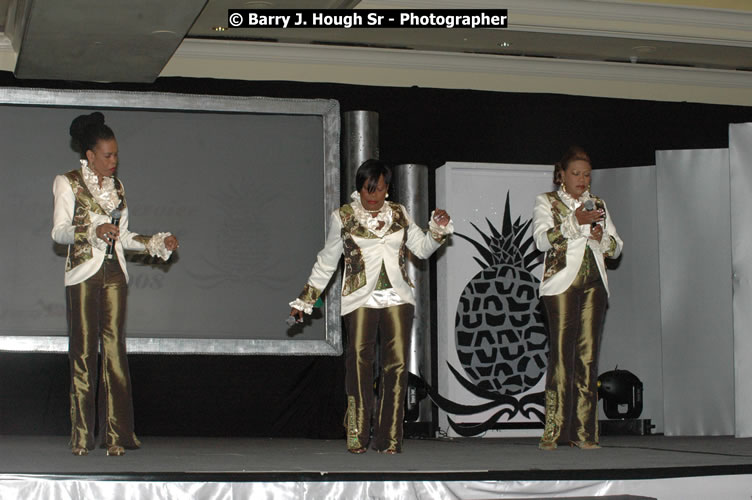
(164, 33)
(644, 49)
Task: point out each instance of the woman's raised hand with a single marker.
(441, 217)
(585, 217)
(108, 233)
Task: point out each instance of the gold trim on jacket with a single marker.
(80, 251)
(355, 268)
(556, 256)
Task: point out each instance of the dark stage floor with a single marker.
(229, 459)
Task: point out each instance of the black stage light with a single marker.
(621, 392)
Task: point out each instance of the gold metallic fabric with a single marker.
(310, 294)
(390, 328)
(80, 251)
(383, 282)
(575, 322)
(556, 256)
(96, 316)
(589, 269)
(403, 258)
(355, 268)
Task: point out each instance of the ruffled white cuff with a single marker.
(94, 240)
(96, 220)
(605, 245)
(439, 229)
(302, 306)
(570, 228)
(156, 246)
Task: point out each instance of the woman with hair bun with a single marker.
(91, 217)
(576, 232)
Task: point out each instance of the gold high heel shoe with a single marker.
(547, 445)
(115, 451)
(584, 445)
(80, 452)
(390, 451)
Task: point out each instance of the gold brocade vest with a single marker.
(556, 256)
(355, 269)
(80, 251)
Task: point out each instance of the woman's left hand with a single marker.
(171, 243)
(440, 217)
(596, 232)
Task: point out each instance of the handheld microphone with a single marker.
(115, 216)
(589, 205)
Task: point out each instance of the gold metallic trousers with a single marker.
(96, 314)
(575, 323)
(391, 328)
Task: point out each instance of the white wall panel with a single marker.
(740, 157)
(632, 332)
(694, 235)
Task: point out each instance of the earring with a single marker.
(387, 195)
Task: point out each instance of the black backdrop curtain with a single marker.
(304, 396)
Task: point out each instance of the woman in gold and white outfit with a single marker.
(96, 286)
(377, 301)
(576, 232)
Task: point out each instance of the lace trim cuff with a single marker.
(570, 228)
(306, 299)
(608, 245)
(96, 220)
(94, 240)
(302, 306)
(156, 246)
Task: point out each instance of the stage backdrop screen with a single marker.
(245, 183)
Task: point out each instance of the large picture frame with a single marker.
(328, 110)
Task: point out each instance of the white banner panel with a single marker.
(632, 333)
(740, 156)
(694, 236)
(492, 342)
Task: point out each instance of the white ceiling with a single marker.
(615, 37)
(714, 34)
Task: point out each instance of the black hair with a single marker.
(87, 130)
(369, 172)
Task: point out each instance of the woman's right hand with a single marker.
(586, 217)
(108, 233)
(297, 314)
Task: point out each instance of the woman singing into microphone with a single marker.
(576, 232)
(91, 215)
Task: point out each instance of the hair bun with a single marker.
(86, 129)
(82, 122)
(96, 118)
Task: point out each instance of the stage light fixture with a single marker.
(621, 392)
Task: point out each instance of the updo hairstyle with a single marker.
(574, 153)
(87, 130)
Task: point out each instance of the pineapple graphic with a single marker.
(499, 332)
